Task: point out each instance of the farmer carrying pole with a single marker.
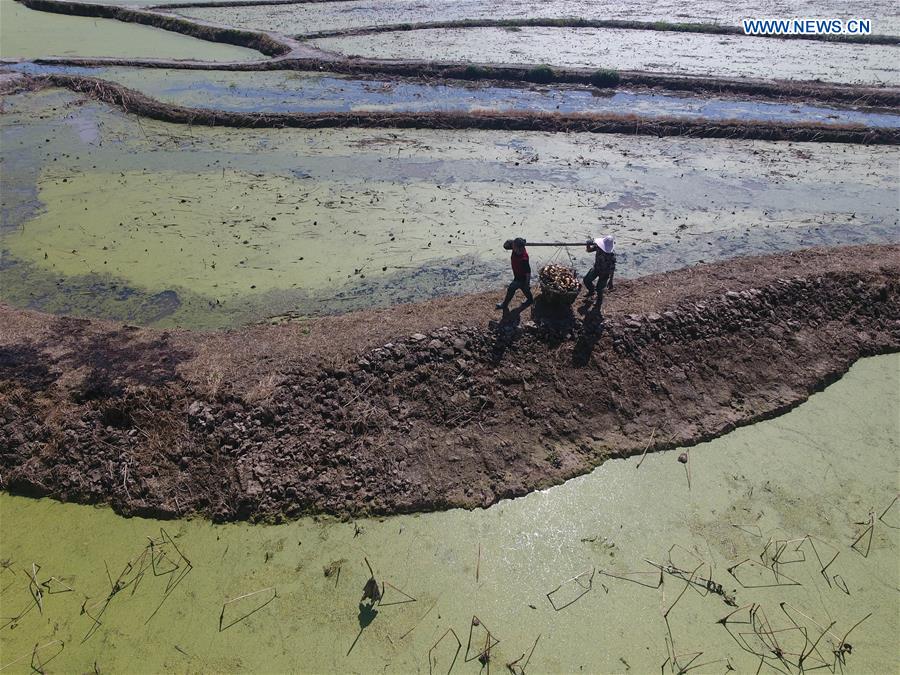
(604, 266)
(521, 274)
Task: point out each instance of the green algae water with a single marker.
(106, 215)
(27, 33)
(795, 517)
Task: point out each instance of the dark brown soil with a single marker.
(133, 101)
(432, 405)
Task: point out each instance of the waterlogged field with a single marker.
(105, 215)
(559, 578)
(308, 18)
(670, 52)
(292, 91)
(27, 33)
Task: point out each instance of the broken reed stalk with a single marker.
(432, 663)
(514, 666)
(884, 513)
(870, 529)
(35, 588)
(852, 628)
(416, 624)
(223, 627)
(687, 468)
(812, 648)
(644, 454)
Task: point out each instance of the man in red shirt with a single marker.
(521, 273)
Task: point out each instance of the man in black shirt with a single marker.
(604, 266)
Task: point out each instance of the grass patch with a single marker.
(605, 78)
(541, 74)
(692, 27)
(553, 458)
(476, 73)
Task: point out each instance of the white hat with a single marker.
(606, 244)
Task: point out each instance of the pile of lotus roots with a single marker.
(559, 284)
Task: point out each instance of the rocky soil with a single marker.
(428, 406)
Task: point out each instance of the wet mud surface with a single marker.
(303, 18)
(668, 52)
(313, 92)
(425, 407)
(120, 193)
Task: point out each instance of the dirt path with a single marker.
(432, 405)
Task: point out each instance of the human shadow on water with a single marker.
(591, 331)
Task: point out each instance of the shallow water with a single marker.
(667, 52)
(28, 33)
(293, 19)
(107, 215)
(815, 472)
(289, 91)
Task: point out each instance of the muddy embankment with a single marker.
(132, 101)
(428, 406)
(781, 90)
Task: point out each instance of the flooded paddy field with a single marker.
(313, 92)
(308, 18)
(27, 33)
(668, 52)
(109, 216)
(771, 548)
(782, 535)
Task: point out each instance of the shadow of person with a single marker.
(367, 614)
(505, 331)
(591, 330)
(556, 319)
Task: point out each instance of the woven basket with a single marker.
(553, 293)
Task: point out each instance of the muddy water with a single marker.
(288, 91)
(695, 54)
(259, 598)
(29, 33)
(294, 19)
(105, 215)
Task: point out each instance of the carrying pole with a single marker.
(554, 243)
